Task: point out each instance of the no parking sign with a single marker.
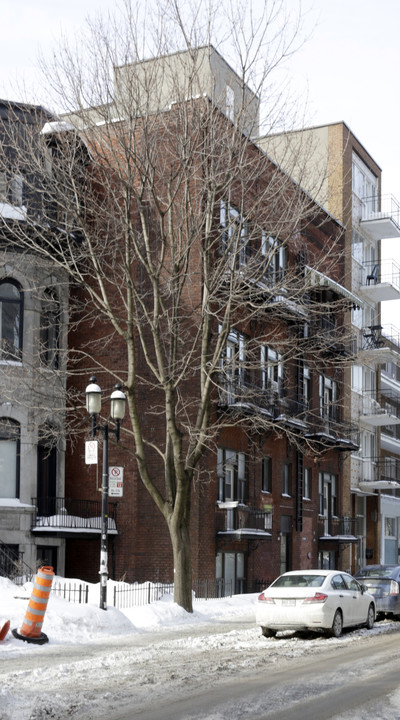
(115, 481)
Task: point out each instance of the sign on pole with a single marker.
(91, 452)
(115, 481)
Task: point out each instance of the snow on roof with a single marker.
(57, 126)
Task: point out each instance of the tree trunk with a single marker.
(182, 565)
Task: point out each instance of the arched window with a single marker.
(9, 458)
(50, 329)
(11, 314)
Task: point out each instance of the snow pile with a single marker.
(71, 623)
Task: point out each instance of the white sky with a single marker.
(348, 66)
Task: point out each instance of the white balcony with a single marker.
(379, 345)
(383, 223)
(380, 281)
(376, 414)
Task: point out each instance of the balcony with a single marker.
(377, 473)
(243, 522)
(383, 223)
(332, 433)
(380, 281)
(378, 345)
(240, 395)
(380, 413)
(337, 529)
(62, 517)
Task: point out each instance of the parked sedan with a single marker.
(326, 600)
(383, 582)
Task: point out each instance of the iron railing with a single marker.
(243, 518)
(387, 271)
(337, 527)
(70, 514)
(126, 596)
(12, 565)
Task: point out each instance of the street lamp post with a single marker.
(93, 406)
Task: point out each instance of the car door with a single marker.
(358, 601)
(344, 598)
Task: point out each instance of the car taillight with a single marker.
(317, 598)
(394, 588)
(265, 598)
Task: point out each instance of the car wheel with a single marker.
(337, 625)
(267, 632)
(370, 618)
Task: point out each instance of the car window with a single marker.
(351, 583)
(376, 572)
(338, 583)
(300, 580)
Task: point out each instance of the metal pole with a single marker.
(103, 572)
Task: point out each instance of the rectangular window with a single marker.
(232, 476)
(286, 479)
(307, 484)
(266, 474)
(233, 369)
(234, 235)
(276, 258)
(356, 378)
(328, 397)
(272, 373)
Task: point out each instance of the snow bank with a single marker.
(71, 623)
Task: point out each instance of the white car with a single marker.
(326, 600)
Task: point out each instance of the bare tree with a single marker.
(172, 227)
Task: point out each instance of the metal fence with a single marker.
(126, 596)
(73, 592)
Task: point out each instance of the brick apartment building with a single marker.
(272, 491)
(270, 495)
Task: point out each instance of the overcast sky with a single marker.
(348, 66)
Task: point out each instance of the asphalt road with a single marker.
(350, 681)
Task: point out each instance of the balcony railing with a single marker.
(337, 528)
(63, 514)
(380, 281)
(238, 391)
(389, 209)
(333, 432)
(377, 472)
(244, 520)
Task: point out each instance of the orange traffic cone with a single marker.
(4, 630)
(31, 628)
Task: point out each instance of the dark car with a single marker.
(383, 582)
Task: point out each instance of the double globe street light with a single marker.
(93, 407)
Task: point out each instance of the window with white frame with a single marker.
(328, 503)
(232, 475)
(234, 233)
(232, 364)
(9, 458)
(328, 397)
(275, 256)
(272, 373)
